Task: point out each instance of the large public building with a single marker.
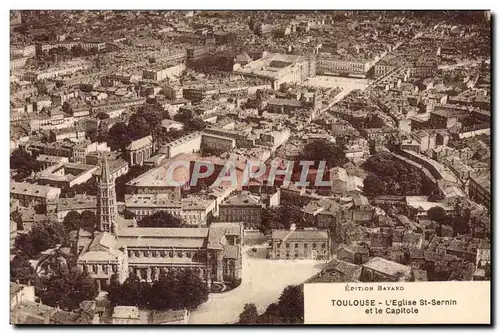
(122, 248)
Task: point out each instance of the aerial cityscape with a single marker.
(200, 167)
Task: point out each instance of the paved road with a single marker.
(262, 284)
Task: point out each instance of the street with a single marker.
(262, 284)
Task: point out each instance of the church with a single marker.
(120, 247)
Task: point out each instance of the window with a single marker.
(323, 245)
(179, 254)
(287, 245)
(314, 245)
(305, 244)
(296, 245)
(287, 254)
(171, 254)
(94, 268)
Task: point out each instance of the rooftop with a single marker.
(387, 267)
(300, 235)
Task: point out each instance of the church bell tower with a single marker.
(107, 210)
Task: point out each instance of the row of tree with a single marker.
(175, 290)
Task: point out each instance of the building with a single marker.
(342, 183)
(194, 211)
(443, 119)
(218, 144)
(378, 269)
(480, 189)
(26, 310)
(159, 74)
(140, 150)
(79, 203)
(66, 175)
(81, 150)
(187, 144)
(28, 193)
(86, 45)
(294, 244)
(125, 315)
(277, 68)
(102, 258)
(243, 207)
(326, 64)
(117, 167)
(106, 200)
(483, 254)
(47, 161)
(214, 252)
(170, 317)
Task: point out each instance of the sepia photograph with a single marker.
(250, 167)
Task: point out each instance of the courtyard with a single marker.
(263, 281)
(346, 84)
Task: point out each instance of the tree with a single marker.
(388, 176)
(118, 137)
(72, 221)
(436, 213)
(67, 289)
(249, 314)
(166, 290)
(24, 163)
(373, 185)
(16, 217)
(89, 188)
(129, 293)
(102, 115)
(88, 219)
(323, 150)
(291, 304)
(102, 132)
(91, 131)
(160, 219)
(190, 120)
(43, 236)
(195, 290)
(281, 217)
(22, 271)
(145, 121)
(288, 310)
(127, 214)
(138, 127)
(115, 291)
